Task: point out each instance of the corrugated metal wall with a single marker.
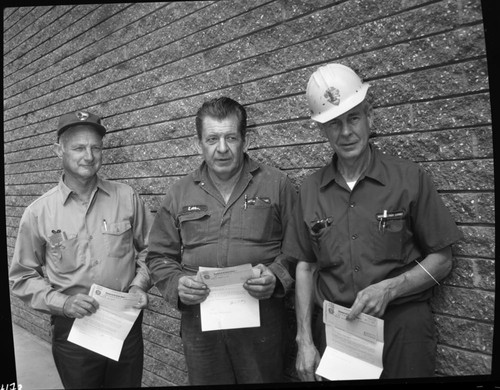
(147, 67)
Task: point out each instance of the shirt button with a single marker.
(354, 236)
(90, 237)
(352, 204)
(356, 269)
(202, 183)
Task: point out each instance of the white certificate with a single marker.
(354, 348)
(105, 331)
(229, 305)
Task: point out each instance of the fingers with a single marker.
(142, 297)
(263, 286)
(306, 364)
(371, 301)
(192, 291)
(80, 305)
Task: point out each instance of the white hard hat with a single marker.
(332, 90)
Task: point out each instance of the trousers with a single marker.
(80, 368)
(409, 340)
(236, 356)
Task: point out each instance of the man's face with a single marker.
(80, 148)
(222, 146)
(348, 134)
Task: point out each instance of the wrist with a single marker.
(304, 340)
(393, 286)
(63, 310)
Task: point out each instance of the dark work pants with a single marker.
(409, 340)
(236, 356)
(80, 368)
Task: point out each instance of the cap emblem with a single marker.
(332, 94)
(82, 115)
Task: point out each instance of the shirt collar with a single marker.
(65, 191)
(249, 166)
(374, 170)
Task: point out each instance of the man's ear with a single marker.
(249, 138)
(57, 147)
(369, 115)
(322, 129)
(197, 144)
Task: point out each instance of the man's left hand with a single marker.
(142, 297)
(372, 300)
(263, 286)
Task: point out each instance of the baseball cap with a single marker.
(79, 118)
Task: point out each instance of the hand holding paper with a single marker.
(372, 300)
(192, 290)
(229, 305)
(142, 297)
(354, 347)
(105, 331)
(80, 305)
(261, 287)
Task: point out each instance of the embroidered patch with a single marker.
(332, 94)
(57, 238)
(194, 208)
(82, 115)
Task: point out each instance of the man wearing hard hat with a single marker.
(370, 232)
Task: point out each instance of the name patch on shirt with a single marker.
(194, 208)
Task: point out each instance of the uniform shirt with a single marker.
(194, 227)
(344, 232)
(78, 245)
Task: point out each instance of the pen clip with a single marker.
(382, 222)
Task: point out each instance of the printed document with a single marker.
(105, 331)
(354, 348)
(229, 305)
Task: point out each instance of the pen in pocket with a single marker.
(105, 225)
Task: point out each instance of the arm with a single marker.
(163, 261)
(374, 299)
(26, 272)
(278, 278)
(433, 227)
(141, 227)
(308, 356)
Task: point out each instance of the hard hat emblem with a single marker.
(82, 115)
(332, 94)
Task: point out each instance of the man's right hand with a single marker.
(307, 362)
(79, 306)
(191, 291)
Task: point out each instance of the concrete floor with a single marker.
(35, 366)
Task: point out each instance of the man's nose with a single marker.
(222, 145)
(89, 154)
(345, 129)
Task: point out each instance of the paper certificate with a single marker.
(229, 305)
(354, 348)
(105, 331)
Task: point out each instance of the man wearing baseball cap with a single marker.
(370, 233)
(85, 230)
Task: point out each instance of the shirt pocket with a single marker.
(194, 228)
(257, 221)
(118, 239)
(65, 256)
(327, 246)
(387, 241)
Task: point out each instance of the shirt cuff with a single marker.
(56, 303)
(142, 282)
(285, 279)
